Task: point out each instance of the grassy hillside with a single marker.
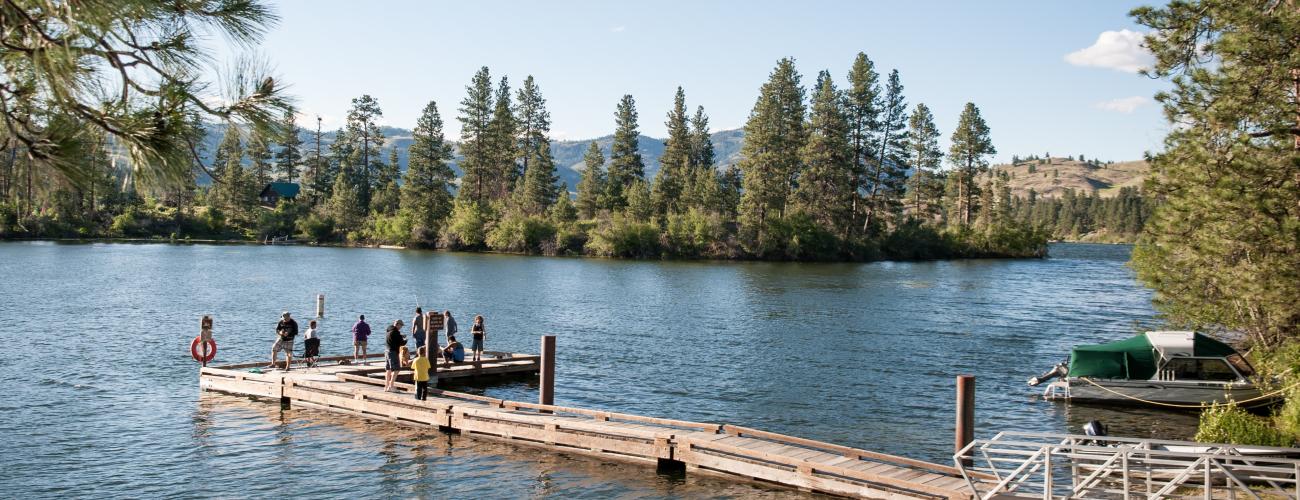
(1051, 177)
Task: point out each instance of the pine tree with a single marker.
(289, 157)
(534, 121)
(366, 159)
(774, 137)
(970, 147)
(1222, 251)
(503, 171)
(425, 188)
(591, 189)
(345, 204)
(887, 174)
(701, 141)
(675, 162)
(475, 118)
(625, 165)
(925, 159)
(640, 203)
(862, 104)
(538, 189)
(318, 177)
(825, 185)
(227, 165)
(387, 193)
(259, 158)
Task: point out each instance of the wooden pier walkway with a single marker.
(716, 449)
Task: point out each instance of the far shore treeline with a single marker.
(825, 173)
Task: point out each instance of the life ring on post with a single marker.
(199, 356)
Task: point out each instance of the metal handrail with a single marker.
(1118, 467)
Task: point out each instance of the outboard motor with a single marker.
(1094, 428)
(1060, 370)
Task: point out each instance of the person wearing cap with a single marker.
(285, 331)
(394, 341)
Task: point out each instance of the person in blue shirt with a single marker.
(454, 352)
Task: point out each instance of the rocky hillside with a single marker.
(1050, 177)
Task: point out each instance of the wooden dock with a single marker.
(708, 448)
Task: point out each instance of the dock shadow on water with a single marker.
(855, 354)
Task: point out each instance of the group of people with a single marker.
(424, 329)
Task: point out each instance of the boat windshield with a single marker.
(1201, 369)
(1243, 367)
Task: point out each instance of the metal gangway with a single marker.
(1062, 466)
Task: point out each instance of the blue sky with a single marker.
(1009, 58)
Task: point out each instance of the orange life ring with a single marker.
(211, 348)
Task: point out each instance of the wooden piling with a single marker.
(546, 387)
(965, 430)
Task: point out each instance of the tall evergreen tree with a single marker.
(1223, 250)
(591, 189)
(701, 141)
(825, 185)
(426, 187)
(289, 157)
(887, 173)
(538, 187)
(925, 158)
(503, 170)
(228, 157)
(674, 163)
(259, 158)
(625, 165)
(774, 138)
(318, 177)
(366, 159)
(475, 145)
(969, 151)
(534, 121)
(862, 105)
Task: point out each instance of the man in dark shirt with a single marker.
(360, 332)
(285, 331)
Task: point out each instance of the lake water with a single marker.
(99, 394)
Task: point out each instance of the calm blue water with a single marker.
(99, 393)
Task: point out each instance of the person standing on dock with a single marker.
(311, 343)
(417, 328)
(479, 334)
(451, 325)
(394, 342)
(285, 331)
(360, 332)
(420, 372)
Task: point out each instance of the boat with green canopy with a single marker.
(1164, 368)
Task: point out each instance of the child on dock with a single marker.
(479, 333)
(420, 369)
(311, 343)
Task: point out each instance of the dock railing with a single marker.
(1051, 466)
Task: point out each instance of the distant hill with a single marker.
(1051, 177)
(567, 153)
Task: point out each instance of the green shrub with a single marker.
(1229, 423)
(624, 237)
(695, 234)
(316, 227)
(521, 234)
(390, 229)
(467, 226)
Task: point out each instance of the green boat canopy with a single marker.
(1133, 358)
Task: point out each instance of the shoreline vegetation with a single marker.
(825, 174)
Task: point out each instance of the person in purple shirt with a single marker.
(360, 332)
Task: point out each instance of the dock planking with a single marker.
(705, 448)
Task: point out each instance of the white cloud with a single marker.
(618, 29)
(1123, 104)
(1118, 50)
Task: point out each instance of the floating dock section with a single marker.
(716, 449)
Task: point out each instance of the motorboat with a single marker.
(1161, 368)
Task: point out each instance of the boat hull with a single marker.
(1163, 393)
